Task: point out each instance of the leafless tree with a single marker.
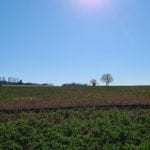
(107, 78)
(93, 82)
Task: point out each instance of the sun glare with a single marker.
(91, 4)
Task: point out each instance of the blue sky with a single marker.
(56, 41)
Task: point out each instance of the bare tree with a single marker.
(93, 82)
(107, 78)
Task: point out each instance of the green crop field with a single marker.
(85, 129)
(17, 97)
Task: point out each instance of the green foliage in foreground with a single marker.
(89, 129)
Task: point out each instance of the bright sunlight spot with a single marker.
(89, 5)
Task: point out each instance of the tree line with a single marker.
(106, 78)
(10, 81)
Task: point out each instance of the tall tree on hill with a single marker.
(107, 79)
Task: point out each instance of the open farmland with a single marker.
(74, 129)
(22, 97)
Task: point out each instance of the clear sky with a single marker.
(59, 41)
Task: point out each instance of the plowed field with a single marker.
(15, 97)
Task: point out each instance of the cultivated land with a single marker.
(74, 129)
(22, 97)
(85, 129)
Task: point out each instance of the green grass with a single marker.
(7, 92)
(88, 129)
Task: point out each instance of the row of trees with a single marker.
(106, 78)
(74, 84)
(10, 80)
